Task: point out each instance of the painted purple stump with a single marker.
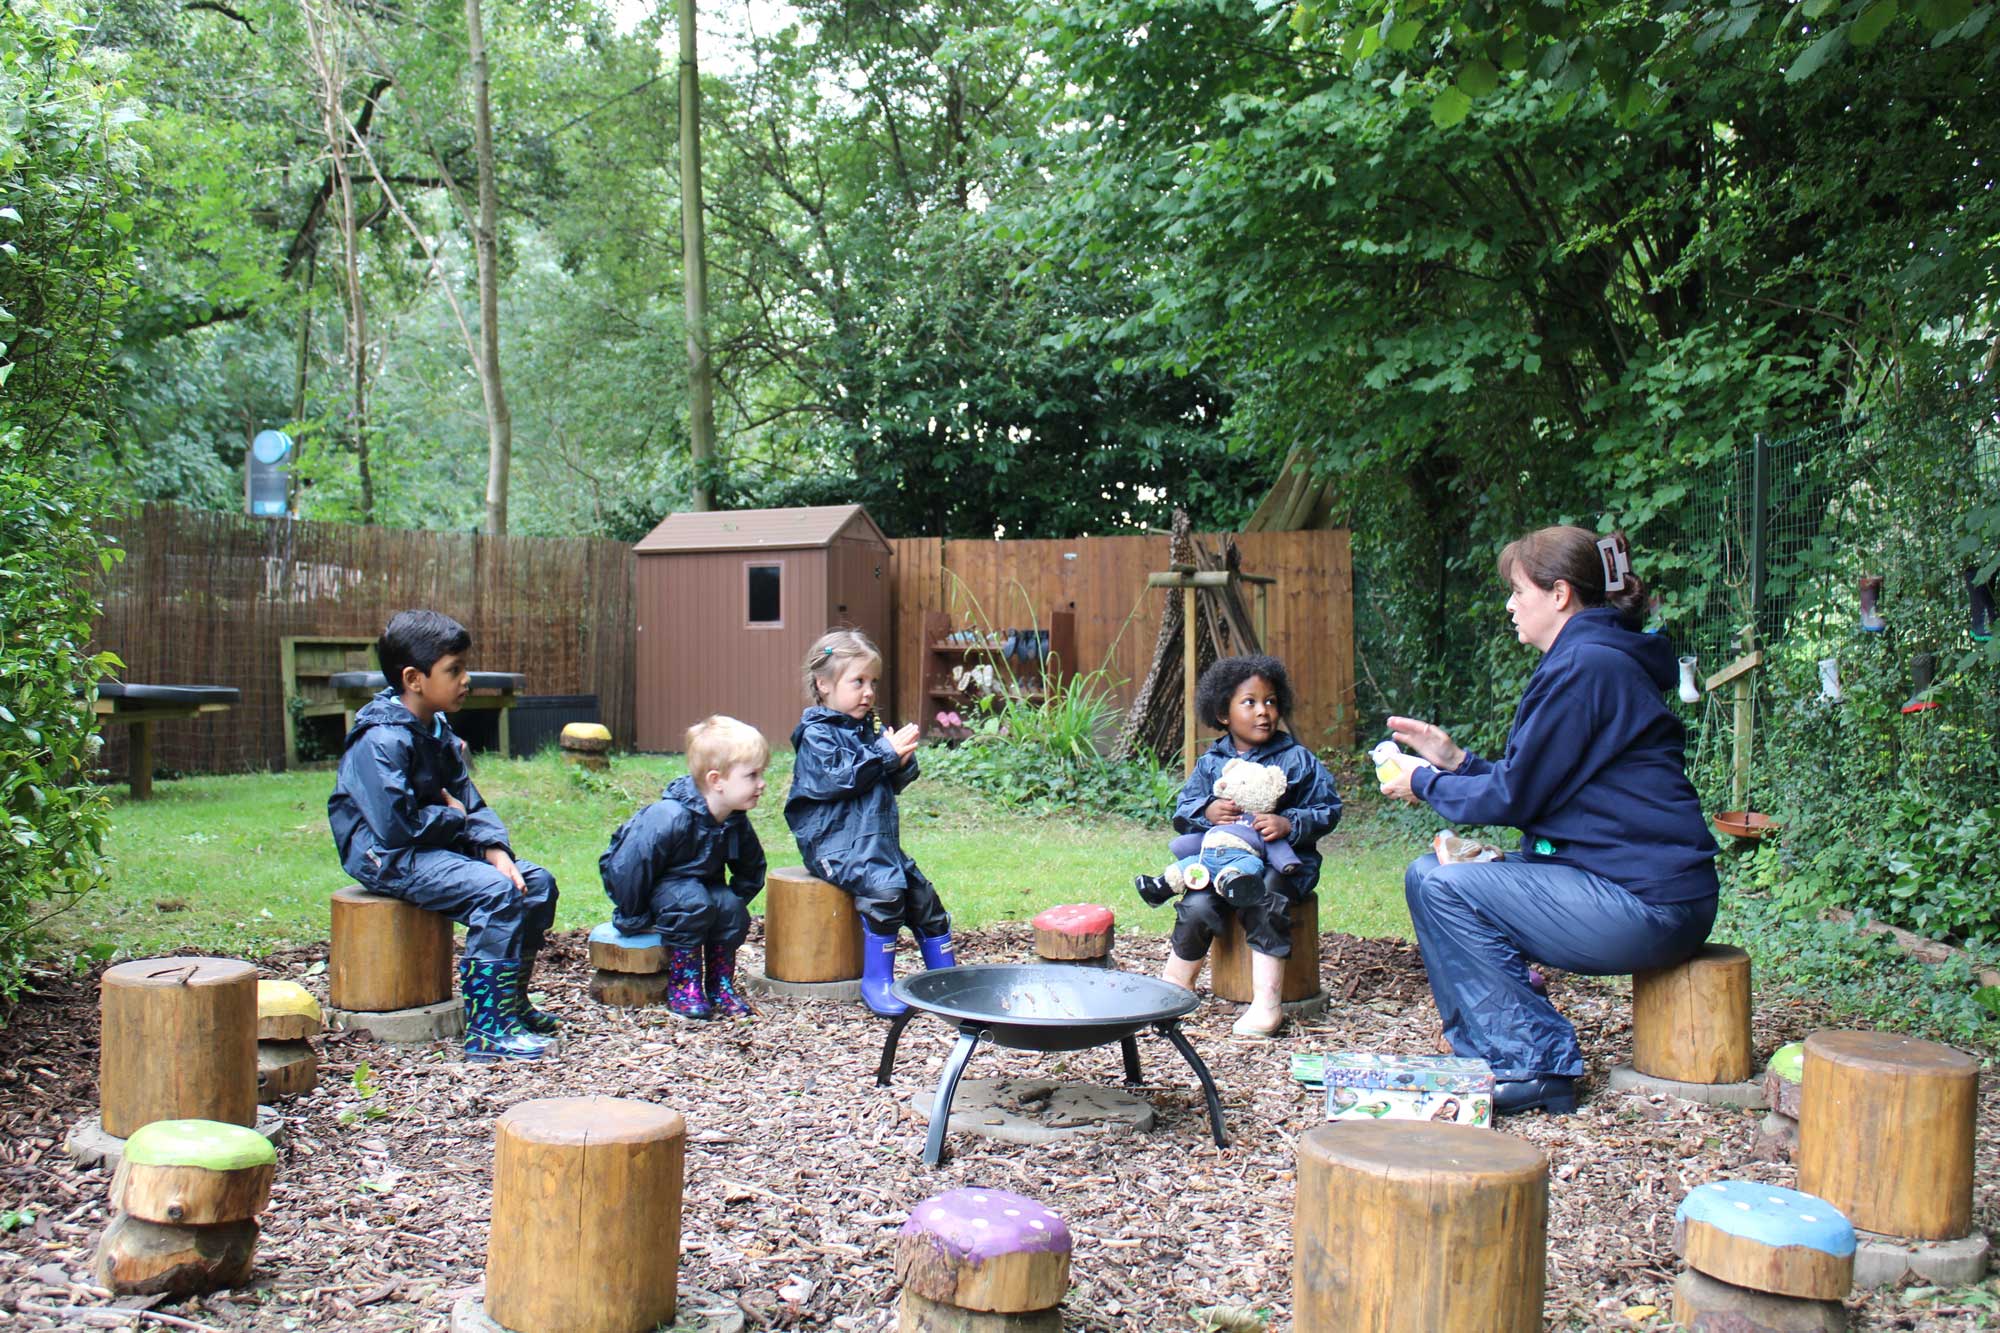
(982, 1259)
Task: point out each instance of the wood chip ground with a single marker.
(800, 1169)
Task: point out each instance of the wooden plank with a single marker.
(1746, 663)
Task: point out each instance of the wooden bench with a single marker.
(140, 706)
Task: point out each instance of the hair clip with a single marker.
(1617, 561)
(826, 652)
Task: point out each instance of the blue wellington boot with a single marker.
(492, 1031)
(878, 972)
(538, 1021)
(937, 950)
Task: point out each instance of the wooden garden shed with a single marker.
(728, 602)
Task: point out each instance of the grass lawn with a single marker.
(245, 865)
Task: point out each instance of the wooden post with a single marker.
(1189, 745)
(1229, 959)
(387, 954)
(812, 931)
(1414, 1225)
(982, 1261)
(1886, 1132)
(142, 761)
(586, 1233)
(1739, 779)
(179, 1042)
(1691, 1022)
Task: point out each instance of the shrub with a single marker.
(64, 276)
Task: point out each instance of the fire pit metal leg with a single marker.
(1131, 1047)
(1172, 1032)
(896, 1026)
(954, 1065)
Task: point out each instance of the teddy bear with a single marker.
(1229, 858)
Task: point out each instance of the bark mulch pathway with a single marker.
(800, 1169)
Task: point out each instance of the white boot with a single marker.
(1690, 692)
(1265, 1014)
(1829, 680)
(1180, 971)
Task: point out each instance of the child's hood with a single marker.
(819, 713)
(384, 710)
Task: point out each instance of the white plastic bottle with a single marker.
(1390, 760)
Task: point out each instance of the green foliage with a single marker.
(1044, 755)
(64, 277)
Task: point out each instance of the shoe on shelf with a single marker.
(1551, 1093)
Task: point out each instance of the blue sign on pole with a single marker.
(265, 483)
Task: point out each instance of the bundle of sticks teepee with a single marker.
(1223, 628)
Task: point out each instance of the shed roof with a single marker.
(759, 529)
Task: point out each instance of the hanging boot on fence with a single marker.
(537, 1021)
(1690, 692)
(1923, 672)
(878, 973)
(1871, 593)
(1981, 597)
(492, 1032)
(721, 991)
(685, 996)
(937, 951)
(1829, 681)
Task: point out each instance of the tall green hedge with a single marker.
(65, 164)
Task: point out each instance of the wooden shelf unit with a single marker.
(308, 662)
(1056, 664)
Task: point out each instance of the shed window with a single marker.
(766, 582)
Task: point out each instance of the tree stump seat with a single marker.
(586, 1230)
(1691, 1021)
(812, 931)
(587, 745)
(982, 1261)
(387, 955)
(1229, 959)
(179, 1042)
(1074, 933)
(1418, 1225)
(185, 1200)
(1886, 1126)
(287, 1065)
(629, 971)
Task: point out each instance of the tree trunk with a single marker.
(499, 421)
(701, 386)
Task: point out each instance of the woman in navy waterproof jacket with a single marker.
(1616, 870)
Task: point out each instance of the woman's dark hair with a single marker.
(1219, 682)
(418, 639)
(1571, 555)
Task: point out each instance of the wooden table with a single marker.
(140, 706)
(492, 691)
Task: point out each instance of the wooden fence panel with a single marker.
(1103, 581)
(203, 598)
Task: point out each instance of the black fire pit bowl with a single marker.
(1043, 1007)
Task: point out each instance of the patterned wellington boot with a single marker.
(492, 1032)
(937, 951)
(685, 997)
(722, 994)
(537, 1021)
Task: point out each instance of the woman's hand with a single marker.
(1427, 739)
(1222, 811)
(1273, 827)
(1398, 788)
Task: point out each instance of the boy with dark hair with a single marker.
(409, 824)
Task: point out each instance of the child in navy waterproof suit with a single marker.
(409, 824)
(686, 867)
(1249, 698)
(842, 810)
